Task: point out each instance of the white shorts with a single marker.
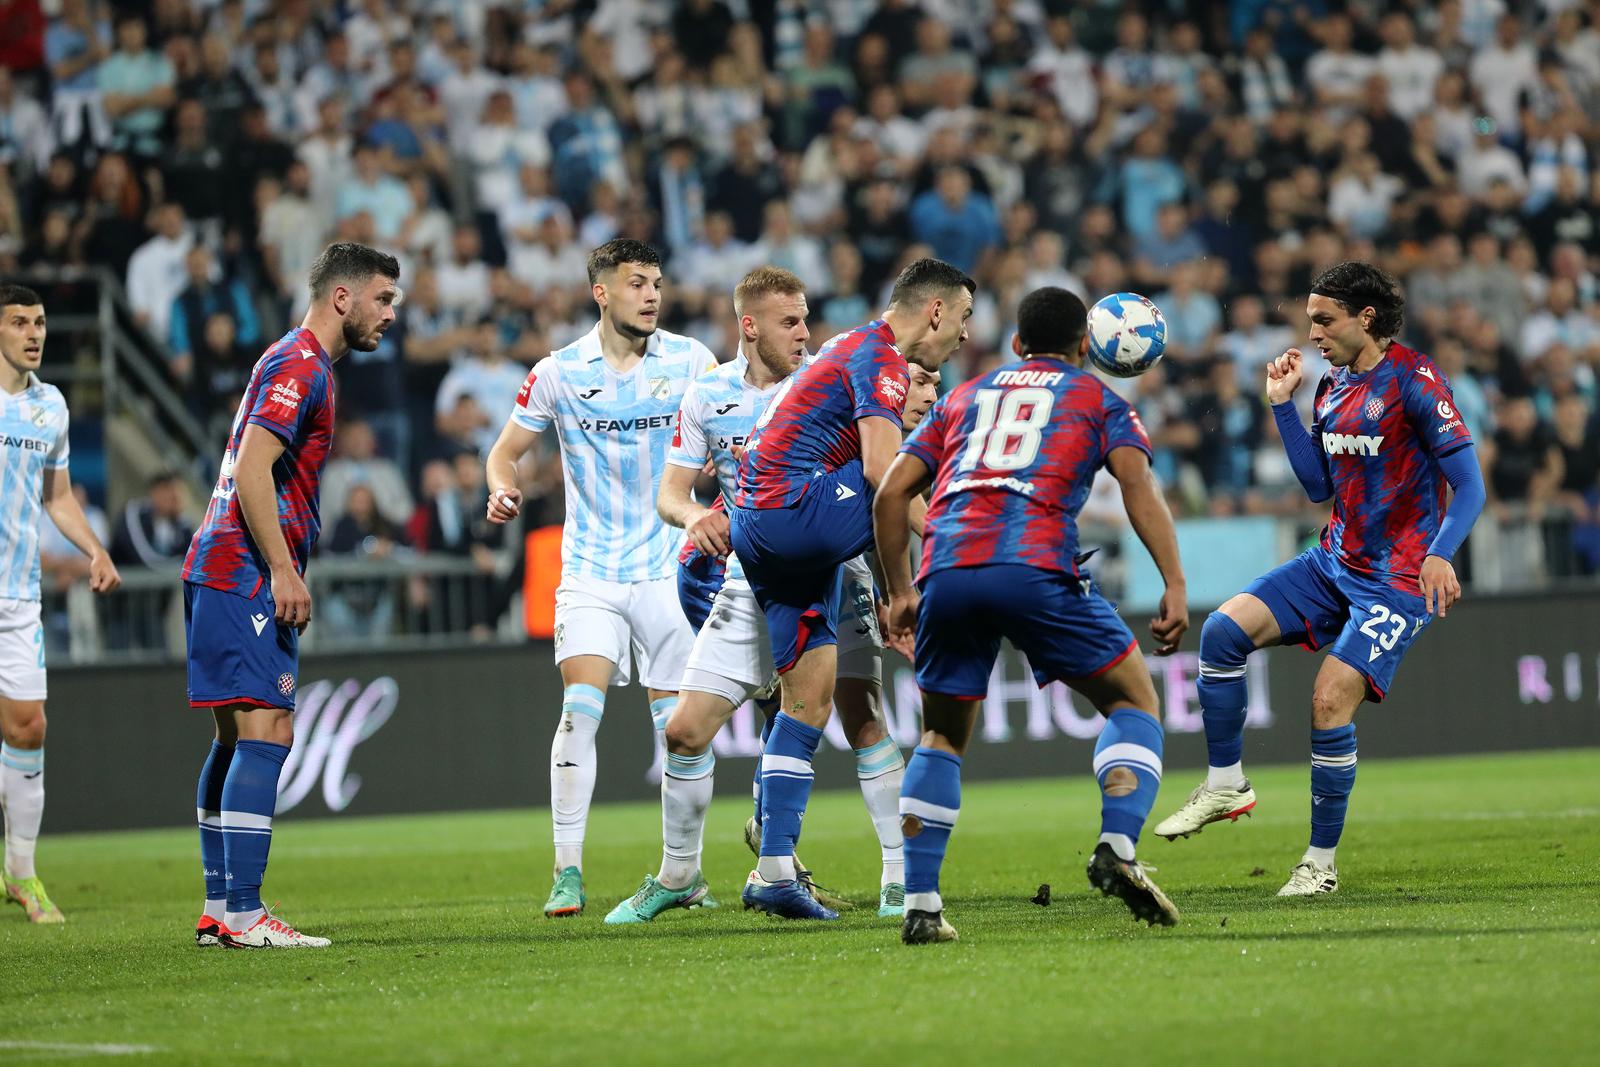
(732, 656)
(21, 650)
(616, 619)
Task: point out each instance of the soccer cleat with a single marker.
(1309, 879)
(926, 927)
(207, 932)
(891, 900)
(827, 898)
(269, 931)
(1126, 880)
(1204, 807)
(653, 898)
(787, 899)
(29, 894)
(566, 896)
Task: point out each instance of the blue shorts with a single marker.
(1068, 631)
(792, 558)
(700, 578)
(238, 654)
(1316, 601)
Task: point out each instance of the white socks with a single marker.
(880, 769)
(776, 868)
(685, 795)
(572, 771)
(1322, 857)
(22, 798)
(1229, 777)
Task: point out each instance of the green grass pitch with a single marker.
(1465, 931)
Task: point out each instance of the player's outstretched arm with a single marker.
(907, 477)
(1152, 521)
(1437, 580)
(67, 514)
(676, 505)
(500, 471)
(259, 449)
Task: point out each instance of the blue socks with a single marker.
(1127, 764)
(208, 811)
(786, 776)
(930, 800)
(249, 797)
(1333, 776)
(1223, 650)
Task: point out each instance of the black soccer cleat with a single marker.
(1125, 879)
(926, 927)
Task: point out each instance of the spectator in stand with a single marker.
(1410, 70)
(75, 45)
(369, 189)
(206, 292)
(1175, 243)
(1502, 71)
(1525, 470)
(1560, 321)
(1230, 425)
(359, 608)
(156, 272)
(958, 222)
(464, 281)
(477, 389)
(137, 87)
(1336, 74)
(1194, 318)
(153, 531)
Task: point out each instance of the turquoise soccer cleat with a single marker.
(653, 898)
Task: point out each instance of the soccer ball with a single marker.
(1127, 335)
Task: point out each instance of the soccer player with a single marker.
(612, 394)
(731, 660)
(1011, 456)
(1384, 440)
(803, 509)
(33, 476)
(244, 595)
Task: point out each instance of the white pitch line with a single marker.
(78, 1049)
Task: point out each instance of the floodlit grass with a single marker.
(1465, 931)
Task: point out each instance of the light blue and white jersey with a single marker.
(33, 439)
(615, 430)
(719, 412)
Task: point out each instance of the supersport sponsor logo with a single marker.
(1015, 485)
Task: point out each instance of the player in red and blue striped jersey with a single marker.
(245, 597)
(1385, 440)
(1011, 456)
(803, 508)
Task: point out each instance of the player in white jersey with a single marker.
(732, 658)
(612, 396)
(33, 478)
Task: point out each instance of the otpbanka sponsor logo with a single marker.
(330, 721)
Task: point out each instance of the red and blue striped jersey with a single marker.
(1013, 454)
(291, 395)
(809, 426)
(1380, 433)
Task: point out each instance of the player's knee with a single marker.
(1223, 642)
(1331, 706)
(24, 727)
(685, 735)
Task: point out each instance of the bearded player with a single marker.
(1385, 440)
(34, 477)
(244, 594)
(803, 509)
(612, 396)
(1011, 455)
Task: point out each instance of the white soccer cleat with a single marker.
(1204, 807)
(1310, 879)
(270, 932)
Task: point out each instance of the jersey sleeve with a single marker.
(1123, 427)
(59, 452)
(879, 382)
(1430, 405)
(689, 447)
(535, 408)
(927, 441)
(291, 387)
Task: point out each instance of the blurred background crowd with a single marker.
(1214, 156)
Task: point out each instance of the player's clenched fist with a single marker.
(710, 533)
(1283, 376)
(504, 505)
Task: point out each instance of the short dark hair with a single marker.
(1354, 285)
(348, 262)
(1051, 320)
(614, 253)
(924, 279)
(18, 294)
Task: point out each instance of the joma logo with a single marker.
(1351, 444)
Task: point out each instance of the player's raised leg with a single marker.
(1229, 635)
(22, 729)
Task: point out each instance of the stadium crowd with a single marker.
(1212, 156)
